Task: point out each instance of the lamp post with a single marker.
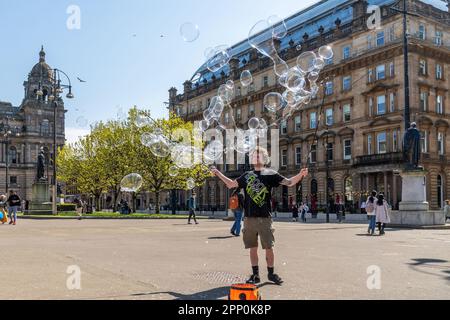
(57, 88)
(327, 165)
(7, 131)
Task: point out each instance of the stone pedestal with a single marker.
(414, 208)
(40, 203)
(414, 191)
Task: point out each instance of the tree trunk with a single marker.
(158, 211)
(116, 198)
(134, 202)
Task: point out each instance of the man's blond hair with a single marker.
(262, 151)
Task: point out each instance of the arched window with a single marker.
(314, 187)
(440, 191)
(348, 186)
(13, 155)
(45, 95)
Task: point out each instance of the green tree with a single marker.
(98, 162)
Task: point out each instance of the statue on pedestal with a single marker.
(41, 166)
(411, 147)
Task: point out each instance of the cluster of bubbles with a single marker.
(299, 83)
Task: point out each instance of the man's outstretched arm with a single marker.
(230, 184)
(292, 182)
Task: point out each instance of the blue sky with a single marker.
(121, 70)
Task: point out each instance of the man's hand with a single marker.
(304, 172)
(214, 171)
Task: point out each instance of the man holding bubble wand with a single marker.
(257, 185)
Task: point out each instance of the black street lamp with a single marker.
(7, 131)
(57, 88)
(405, 13)
(327, 165)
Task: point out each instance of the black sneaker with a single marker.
(275, 279)
(254, 279)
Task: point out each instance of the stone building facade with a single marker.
(362, 124)
(31, 127)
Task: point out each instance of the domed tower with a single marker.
(40, 78)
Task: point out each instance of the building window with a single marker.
(370, 106)
(422, 32)
(298, 123)
(347, 149)
(329, 152)
(381, 105)
(284, 158)
(391, 102)
(395, 141)
(439, 72)
(313, 120)
(329, 117)
(265, 81)
(438, 39)
(423, 67)
(369, 144)
(13, 155)
(439, 104)
(392, 69)
(424, 141)
(347, 113)
(329, 61)
(13, 180)
(251, 88)
(313, 156)
(346, 52)
(423, 101)
(284, 127)
(347, 83)
(441, 144)
(329, 88)
(370, 76)
(380, 38)
(251, 110)
(45, 127)
(382, 143)
(238, 114)
(381, 72)
(298, 156)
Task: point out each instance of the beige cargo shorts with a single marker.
(262, 227)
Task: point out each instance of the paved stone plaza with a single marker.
(171, 260)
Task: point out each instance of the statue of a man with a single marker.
(41, 165)
(411, 147)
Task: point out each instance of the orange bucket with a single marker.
(244, 292)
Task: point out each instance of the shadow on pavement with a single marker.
(221, 238)
(213, 294)
(433, 264)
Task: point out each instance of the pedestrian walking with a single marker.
(371, 214)
(295, 213)
(447, 210)
(3, 209)
(14, 205)
(192, 207)
(382, 214)
(237, 205)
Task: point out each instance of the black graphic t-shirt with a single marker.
(258, 186)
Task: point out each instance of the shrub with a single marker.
(67, 207)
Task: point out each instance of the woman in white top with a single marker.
(370, 209)
(382, 213)
(447, 210)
